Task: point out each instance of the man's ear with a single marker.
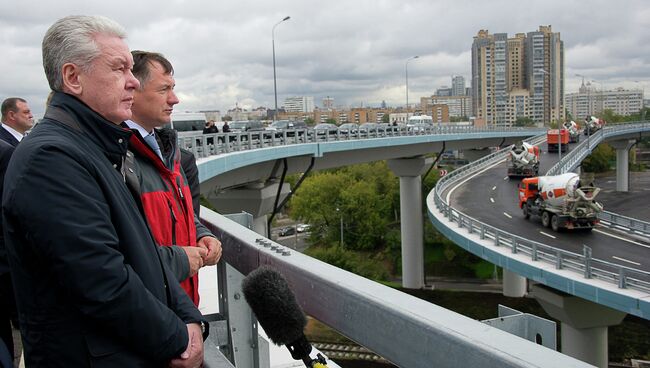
(71, 79)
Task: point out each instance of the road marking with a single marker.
(549, 235)
(506, 215)
(492, 200)
(625, 260)
(506, 178)
(471, 177)
(494, 187)
(622, 238)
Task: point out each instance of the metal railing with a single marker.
(574, 158)
(403, 329)
(204, 145)
(584, 264)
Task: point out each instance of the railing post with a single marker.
(514, 245)
(558, 259)
(586, 251)
(534, 252)
(622, 281)
(460, 220)
(482, 231)
(497, 239)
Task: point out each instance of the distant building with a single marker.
(299, 104)
(458, 85)
(383, 104)
(502, 65)
(212, 114)
(591, 101)
(328, 103)
(457, 106)
(443, 91)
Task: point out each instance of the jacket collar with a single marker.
(109, 137)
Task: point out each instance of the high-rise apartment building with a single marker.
(458, 106)
(458, 85)
(299, 104)
(328, 103)
(500, 66)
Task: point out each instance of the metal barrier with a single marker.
(204, 145)
(403, 329)
(590, 268)
(573, 159)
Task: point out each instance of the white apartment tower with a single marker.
(299, 104)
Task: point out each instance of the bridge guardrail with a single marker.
(573, 159)
(205, 145)
(585, 264)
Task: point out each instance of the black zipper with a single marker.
(174, 220)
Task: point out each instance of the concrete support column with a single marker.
(412, 224)
(583, 324)
(514, 286)
(257, 199)
(622, 161)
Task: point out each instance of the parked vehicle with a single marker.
(349, 128)
(301, 228)
(246, 126)
(369, 128)
(555, 139)
(287, 126)
(564, 201)
(325, 128)
(287, 230)
(523, 160)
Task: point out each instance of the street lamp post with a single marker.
(559, 131)
(407, 85)
(275, 85)
(602, 99)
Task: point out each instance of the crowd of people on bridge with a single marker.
(101, 241)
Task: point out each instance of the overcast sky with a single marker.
(353, 51)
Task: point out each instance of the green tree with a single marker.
(524, 121)
(385, 119)
(227, 118)
(599, 159)
(309, 121)
(331, 121)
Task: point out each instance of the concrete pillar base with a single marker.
(514, 286)
(412, 224)
(583, 323)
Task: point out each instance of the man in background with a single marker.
(90, 287)
(7, 302)
(17, 118)
(163, 185)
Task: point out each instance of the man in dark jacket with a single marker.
(90, 288)
(17, 118)
(7, 303)
(163, 186)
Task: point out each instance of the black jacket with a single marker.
(90, 287)
(8, 137)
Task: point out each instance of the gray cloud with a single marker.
(352, 51)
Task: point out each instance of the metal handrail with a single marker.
(205, 145)
(622, 276)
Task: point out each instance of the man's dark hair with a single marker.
(142, 60)
(10, 104)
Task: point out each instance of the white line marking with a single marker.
(549, 235)
(625, 260)
(494, 187)
(506, 178)
(506, 215)
(471, 177)
(621, 238)
(492, 200)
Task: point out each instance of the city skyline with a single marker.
(354, 54)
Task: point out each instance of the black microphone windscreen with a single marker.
(274, 304)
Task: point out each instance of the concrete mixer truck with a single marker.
(593, 124)
(563, 201)
(523, 160)
(574, 131)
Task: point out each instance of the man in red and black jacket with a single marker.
(162, 186)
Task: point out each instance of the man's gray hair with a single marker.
(72, 40)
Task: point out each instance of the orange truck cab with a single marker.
(555, 139)
(528, 189)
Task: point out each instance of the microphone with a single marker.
(274, 304)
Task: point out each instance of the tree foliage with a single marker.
(385, 119)
(365, 196)
(330, 121)
(309, 121)
(524, 121)
(599, 159)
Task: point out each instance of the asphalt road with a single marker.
(491, 197)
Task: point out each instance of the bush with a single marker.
(369, 265)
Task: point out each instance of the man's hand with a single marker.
(195, 255)
(213, 248)
(192, 357)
